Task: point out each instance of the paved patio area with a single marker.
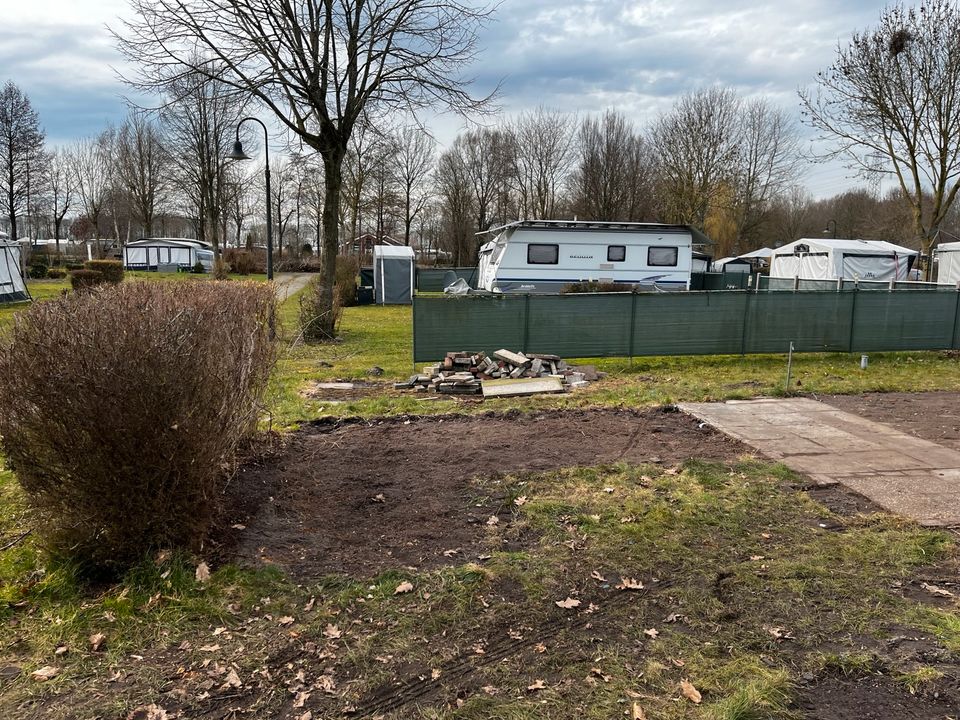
(901, 473)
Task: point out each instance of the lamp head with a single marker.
(237, 153)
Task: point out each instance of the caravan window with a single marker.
(543, 254)
(662, 256)
(616, 253)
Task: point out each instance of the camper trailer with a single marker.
(816, 259)
(167, 254)
(543, 256)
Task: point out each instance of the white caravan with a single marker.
(817, 259)
(168, 253)
(543, 256)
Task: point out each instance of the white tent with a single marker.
(948, 263)
(732, 265)
(394, 273)
(818, 259)
(12, 286)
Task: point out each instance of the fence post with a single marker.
(853, 314)
(746, 320)
(414, 311)
(633, 323)
(526, 322)
(840, 284)
(956, 318)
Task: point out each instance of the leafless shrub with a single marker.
(348, 268)
(122, 404)
(315, 310)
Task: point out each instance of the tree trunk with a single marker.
(333, 174)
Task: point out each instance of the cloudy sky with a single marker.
(580, 55)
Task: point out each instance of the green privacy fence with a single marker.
(688, 323)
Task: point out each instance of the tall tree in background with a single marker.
(143, 168)
(543, 155)
(92, 162)
(21, 152)
(414, 161)
(318, 65)
(62, 189)
(614, 167)
(893, 91)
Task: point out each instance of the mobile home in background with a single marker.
(545, 256)
(167, 254)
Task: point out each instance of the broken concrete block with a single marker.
(513, 358)
(536, 366)
(515, 388)
(517, 372)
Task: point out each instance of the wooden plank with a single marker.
(515, 388)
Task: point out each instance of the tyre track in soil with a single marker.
(396, 696)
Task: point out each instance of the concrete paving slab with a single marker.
(899, 472)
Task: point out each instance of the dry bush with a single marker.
(221, 269)
(112, 270)
(313, 316)
(122, 404)
(597, 287)
(243, 262)
(348, 268)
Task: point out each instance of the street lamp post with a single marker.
(826, 230)
(239, 154)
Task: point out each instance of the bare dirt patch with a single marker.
(362, 497)
(933, 416)
(872, 698)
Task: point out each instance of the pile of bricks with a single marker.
(463, 373)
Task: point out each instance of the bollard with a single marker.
(864, 361)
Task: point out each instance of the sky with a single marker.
(582, 56)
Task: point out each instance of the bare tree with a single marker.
(543, 156)
(21, 152)
(696, 146)
(488, 156)
(143, 168)
(457, 197)
(893, 91)
(318, 65)
(613, 176)
(92, 160)
(200, 123)
(415, 158)
(62, 189)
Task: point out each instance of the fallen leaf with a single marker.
(779, 633)
(536, 685)
(379, 498)
(568, 604)
(232, 680)
(600, 674)
(540, 648)
(306, 716)
(672, 471)
(651, 633)
(520, 501)
(690, 692)
(96, 641)
(755, 558)
(766, 536)
(595, 518)
(451, 553)
(300, 699)
(493, 520)
(677, 662)
(608, 490)
(325, 683)
(209, 648)
(405, 587)
(597, 576)
(934, 590)
(45, 673)
(239, 526)
(61, 650)
(203, 573)
(630, 584)
(332, 631)
(674, 617)
(309, 606)
(434, 674)
(637, 713)
(286, 621)
(490, 690)
(148, 712)
(219, 631)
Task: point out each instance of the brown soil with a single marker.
(360, 498)
(933, 416)
(871, 698)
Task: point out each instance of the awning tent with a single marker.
(817, 259)
(731, 265)
(394, 274)
(948, 263)
(12, 285)
(156, 253)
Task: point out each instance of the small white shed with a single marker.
(819, 259)
(13, 288)
(394, 274)
(155, 253)
(948, 263)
